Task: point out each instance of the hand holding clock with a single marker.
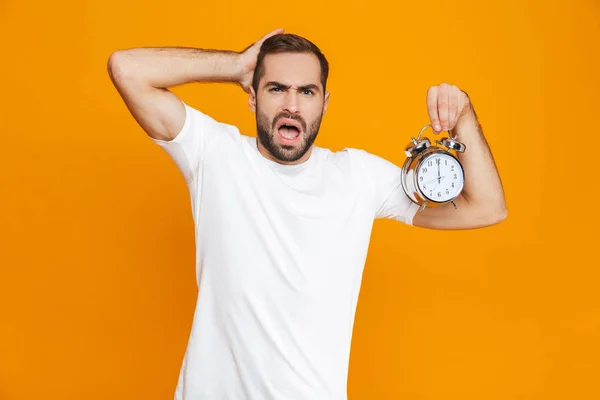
(450, 110)
(446, 105)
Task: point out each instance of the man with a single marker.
(283, 226)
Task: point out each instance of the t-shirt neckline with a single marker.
(283, 167)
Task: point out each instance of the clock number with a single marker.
(439, 194)
(455, 176)
(447, 191)
(421, 178)
(424, 170)
(429, 163)
(446, 162)
(452, 168)
(452, 184)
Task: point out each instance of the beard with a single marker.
(286, 153)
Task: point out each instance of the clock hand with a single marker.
(438, 184)
(435, 179)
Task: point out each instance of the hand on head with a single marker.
(248, 60)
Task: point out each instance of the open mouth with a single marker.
(288, 129)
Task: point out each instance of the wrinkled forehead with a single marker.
(295, 69)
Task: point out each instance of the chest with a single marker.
(306, 230)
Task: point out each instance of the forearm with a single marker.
(483, 187)
(172, 66)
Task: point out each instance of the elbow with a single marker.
(113, 66)
(482, 217)
(500, 216)
(496, 216)
(116, 65)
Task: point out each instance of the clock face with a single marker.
(440, 177)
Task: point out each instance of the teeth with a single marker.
(288, 134)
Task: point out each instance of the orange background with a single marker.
(97, 285)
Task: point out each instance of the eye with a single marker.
(274, 89)
(307, 91)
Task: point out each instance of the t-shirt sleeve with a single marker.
(188, 148)
(383, 178)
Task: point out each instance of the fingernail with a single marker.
(437, 127)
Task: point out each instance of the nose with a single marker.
(291, 102)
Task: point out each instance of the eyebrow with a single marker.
(310, 86)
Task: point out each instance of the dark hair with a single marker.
(288, 43)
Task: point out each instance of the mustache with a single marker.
(289, 116)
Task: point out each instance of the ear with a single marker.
(326, 101)
(252, 100)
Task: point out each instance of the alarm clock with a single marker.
(432, 175)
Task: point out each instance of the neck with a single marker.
(267, 154)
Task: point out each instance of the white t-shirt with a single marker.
(280, 252)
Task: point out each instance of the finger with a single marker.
(452, 107)
(432, 108)
(443, 106)
(259, 42)
(463, 103)
(272, 33)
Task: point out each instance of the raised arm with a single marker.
(481, 202)
(142, 77)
